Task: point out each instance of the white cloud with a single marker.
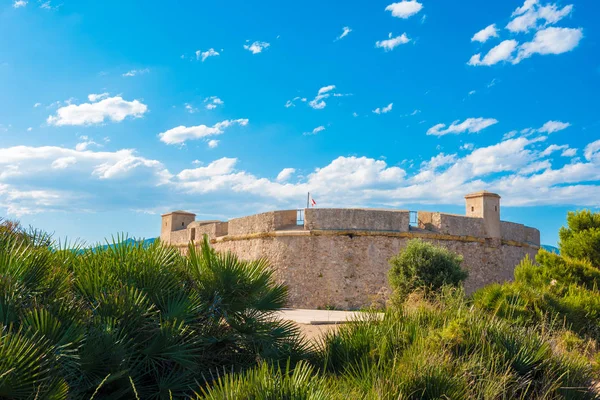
(29, 129)
(212, 102)
(315, 131)
(257, 47)
(291, 103)
(190, 108)
(203, 55)
(392, 43)
(526, 17)
(502, 52)
(345, 31)
(553, 126)
(472, 92)
(467, 146)
(213, 143)
(112, 108)
(405, 8)
(135, 72)
(326, 89)
(355, 114)
(550, 41)
(36, 105)
(568, 153)
(182, 133)
(483, 35)
(285, 174)
(222, 166)
(95, 97)
(19, 3)
(592, 151)
(553, 148)
(385, 109)
(470, 125)
(86, 142)
(514, 168)
(318, 103)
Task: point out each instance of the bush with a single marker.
(440, 347)
(421, 265)
(126, 321)
(581, 238)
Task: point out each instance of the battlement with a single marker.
(482, 221)
(339, 256)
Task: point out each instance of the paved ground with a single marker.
(314, 323)
(317, 317)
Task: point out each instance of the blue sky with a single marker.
(114, 112)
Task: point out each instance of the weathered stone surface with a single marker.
(339, 258)
(356, 218)
(265, 222)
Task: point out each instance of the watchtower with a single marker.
(174, 221)
(485, 205)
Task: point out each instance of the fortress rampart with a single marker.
(339, 257)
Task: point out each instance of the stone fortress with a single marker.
(339, 257)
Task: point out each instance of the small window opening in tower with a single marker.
(182, 224)
(496, 208)
(472, 209)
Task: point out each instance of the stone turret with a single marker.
(485, 205)
(174, 221)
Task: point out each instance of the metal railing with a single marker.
(413, 218)
(300, 217)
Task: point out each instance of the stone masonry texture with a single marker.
(338, 258)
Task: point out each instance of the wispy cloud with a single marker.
(135, 72)
(345, 31)
(257, 47)
(203, 55)
(392, 42)
(181, 134)
(384, 110)
(19, 3)
(212, 102)
(470, 125)
(315, 131)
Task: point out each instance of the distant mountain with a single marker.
(128, 241)
(551, 249)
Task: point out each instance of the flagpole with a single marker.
(307, 199)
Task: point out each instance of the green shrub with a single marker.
(421, 265)
(581, 238)
(268, 382)
(126, 321)
(440, 347)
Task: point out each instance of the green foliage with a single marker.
(421, 265)
(556, 290)
(581, 238)
(127, 321)
(269, 383)
(444, 348)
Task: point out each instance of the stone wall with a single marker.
(450, 224)
(339, 258)
(213, 230)
(349, 219)
(349, 272)
(265, 222)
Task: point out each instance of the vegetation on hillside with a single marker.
(132, 322)
(126, 321)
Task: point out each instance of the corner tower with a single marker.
(485, 205)
(174, 221)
